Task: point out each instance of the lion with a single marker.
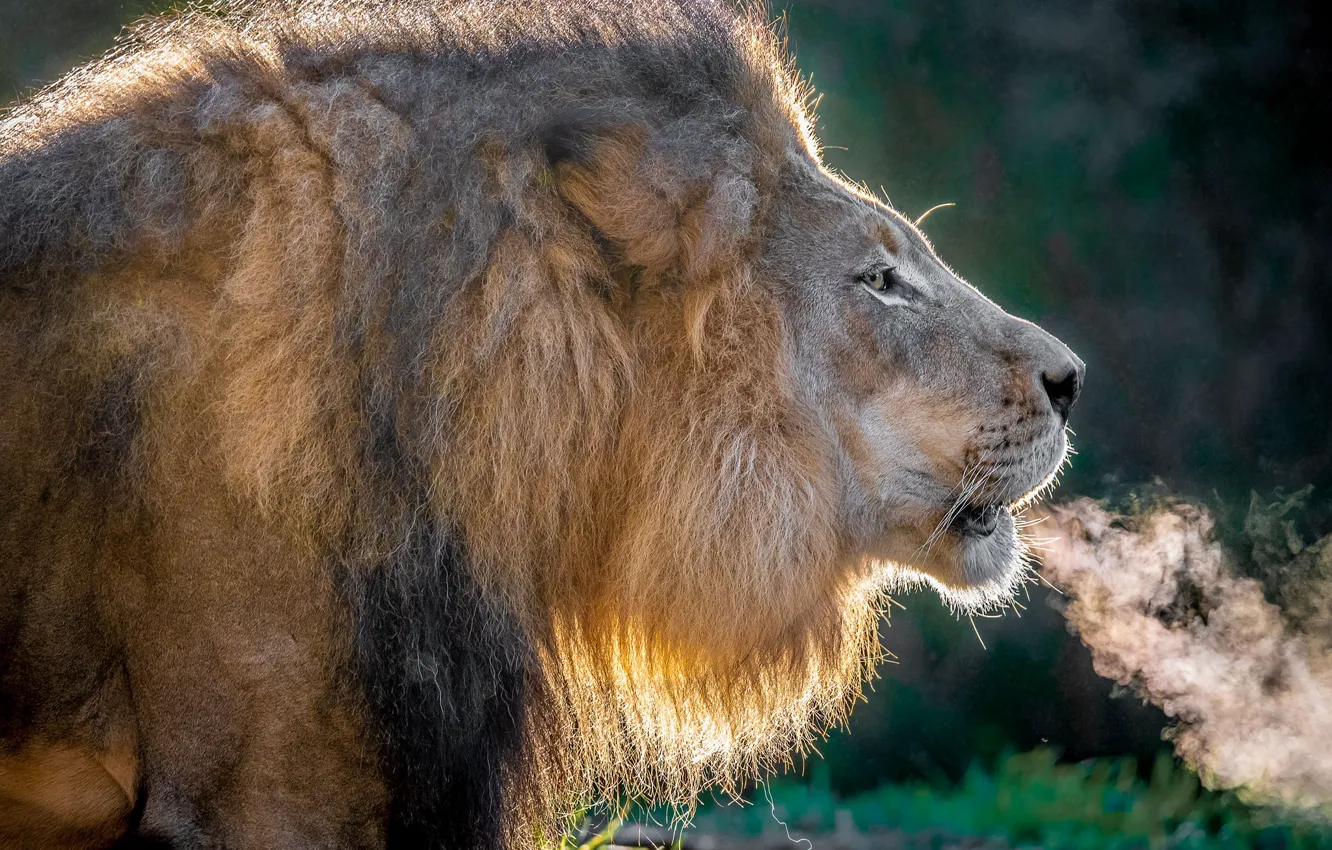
(424, 418)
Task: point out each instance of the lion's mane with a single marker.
(386, 265)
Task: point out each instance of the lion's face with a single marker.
(947, 412)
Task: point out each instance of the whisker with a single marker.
(1045, 581)
(966, 489)
(927, 212)
(976, 481)
(977, 631)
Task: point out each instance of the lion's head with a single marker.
(884, 409)
(816, 408)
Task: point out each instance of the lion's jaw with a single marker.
(950, 519)
(973, 552)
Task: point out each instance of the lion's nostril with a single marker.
(1063, 388)
(1055, 370)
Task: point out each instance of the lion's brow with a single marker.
(886, 236)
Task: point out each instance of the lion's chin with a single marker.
(988, 553)
(978, 563)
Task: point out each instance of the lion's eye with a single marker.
(880, 280)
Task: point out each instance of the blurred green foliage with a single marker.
(40, 41)
(1027, 800)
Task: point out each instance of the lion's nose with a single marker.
(1053, 367)
(1062, 380)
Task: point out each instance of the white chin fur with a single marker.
(983, 574)
(991, 567)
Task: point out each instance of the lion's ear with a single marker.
(667, 200)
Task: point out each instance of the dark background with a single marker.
(1148, 179)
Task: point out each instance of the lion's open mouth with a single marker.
(977, 520)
